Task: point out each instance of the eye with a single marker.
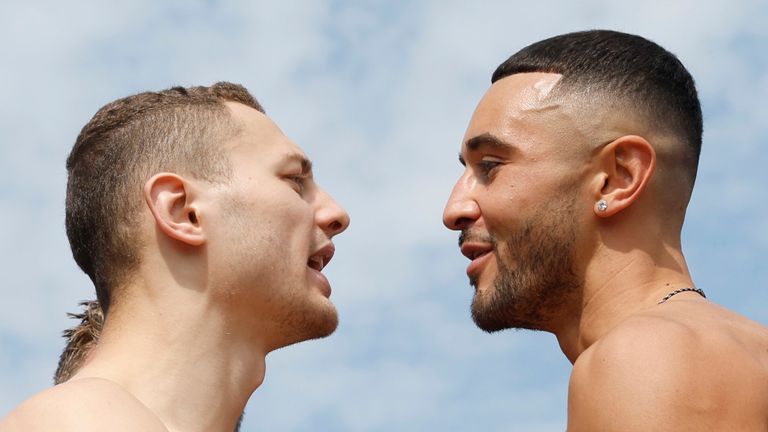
(299, 182)
(487, 168)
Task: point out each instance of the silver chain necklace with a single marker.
(678, 291)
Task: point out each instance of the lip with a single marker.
(322, 281)
(326, 252)
(479, 254)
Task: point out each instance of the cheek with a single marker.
(294, 216)
(504, 206)
(514, 197)
(291, 227)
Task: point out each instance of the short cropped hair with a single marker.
(80, 340)
(648, 79)
(122, 146)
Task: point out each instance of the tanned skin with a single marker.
(545, 256)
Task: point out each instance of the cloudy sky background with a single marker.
(378, 93)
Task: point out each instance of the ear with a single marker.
(627, 164)
(171, 200)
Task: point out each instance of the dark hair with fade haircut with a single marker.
(648, 78)
(122, 146)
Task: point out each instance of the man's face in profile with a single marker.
(514, 205)
(270, 235)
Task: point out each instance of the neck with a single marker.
(180, 356)
(617, 285)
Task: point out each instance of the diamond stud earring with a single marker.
(602, 206)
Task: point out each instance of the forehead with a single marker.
(260, 136)
(517, 109)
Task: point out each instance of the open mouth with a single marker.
(479, 254)
(474, 251)
(321, 257)
(316, 262)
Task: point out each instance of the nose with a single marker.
(461, 210)
(330, 216)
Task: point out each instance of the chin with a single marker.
(321, 321)
(484, 315)
(327, 327)
(314, 323)
(491, 312)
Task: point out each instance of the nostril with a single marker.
(460, 213)
(335, 226)
(461, 223)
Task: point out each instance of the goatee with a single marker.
(536, 278)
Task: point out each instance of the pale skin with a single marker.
(230, 272)
(685, 365)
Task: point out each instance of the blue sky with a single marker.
(378, 93)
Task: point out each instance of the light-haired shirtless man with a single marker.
(205, 235)
(580, 161)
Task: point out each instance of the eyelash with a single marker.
(298, 180)
(486, 167)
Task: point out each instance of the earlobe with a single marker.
(171, 201)
(628, 163)
(602, 206)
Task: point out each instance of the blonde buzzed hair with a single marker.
(125, 143)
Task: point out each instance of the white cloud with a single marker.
(379, 95)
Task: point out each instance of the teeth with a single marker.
(316, 262)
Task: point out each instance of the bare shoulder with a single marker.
(87, 404)
(694, 366)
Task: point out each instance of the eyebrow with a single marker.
(484, 140)
(306, 164)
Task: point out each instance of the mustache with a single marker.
(474, 236)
